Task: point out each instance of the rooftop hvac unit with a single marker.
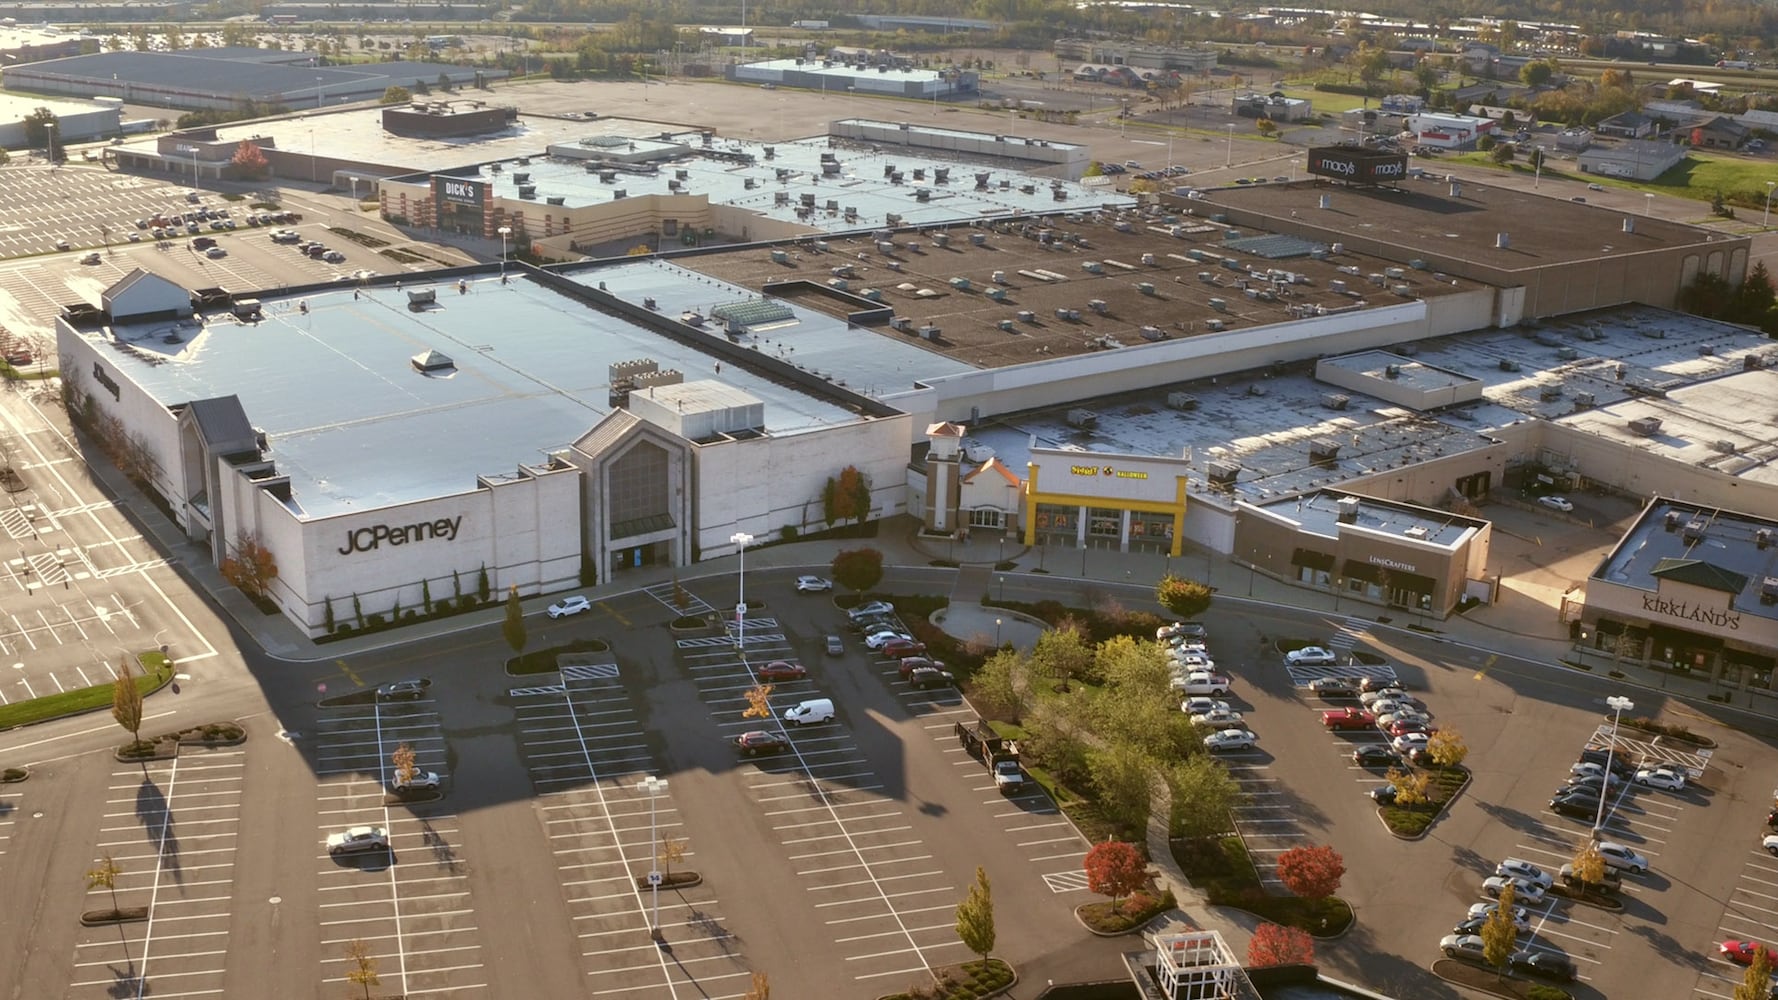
(1671, 521)
(1417, 532)
(807, 199)
(420, 299)
(843, 271)
(780, 197)
(771, 151)
(780, 257)
(941, 240)
(521, 177)
(1337, 287)
(838, 284)
(833, 205)
(1145, 287)
(527, 191)
(941, 175)
(1508, 365)
(830, 168)
(1083, 419)
(1324, 451)
(1148, 260)
(1336, 400)
(997, 294)
(921, 194)
(1219, 305)
(556, 200)
(1549, 393)
(1582, 400)
(1653, 333)
(1006, 325)
(1392, 371)
(1750, 362)
(1725, 446)
(1213, 325)
(1395, 273)
(245, 308)
(1377, 279)
(1182, 401)
(1027, 316)
(1693, 531)
(888, 170)
(885, 246)
(1098, 306)
(1222, 475)
(1645, 426)
(1548, 339)
(978, 239)
(960, 284)
(1092, 267)
(1568, 353)
(930, 332)
(1763, 538)
(998, 277)
(1348, 510)
(1705, 350)
(607, 176)
(901, 323)
(1122, 226)
(873, 294)
(1152, 333)
(1768, 590)
(981, 180)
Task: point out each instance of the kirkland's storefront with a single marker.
(1081, 499)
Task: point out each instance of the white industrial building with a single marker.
(1449, 131)
(76, 121)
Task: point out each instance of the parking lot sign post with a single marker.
(652, 787)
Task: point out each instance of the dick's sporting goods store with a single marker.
(461, 205)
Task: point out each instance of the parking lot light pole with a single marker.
(1618, 705)
(505, 232)
(652, 787)
(1767, 217)
(997, 633)
(741, 539)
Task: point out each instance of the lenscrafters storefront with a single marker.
(1689, 590)
(1383, 552)
(1076, 499)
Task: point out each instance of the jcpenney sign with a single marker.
(375, 537)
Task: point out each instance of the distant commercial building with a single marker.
(76, 121)
(232, 78)
(1637, 159)
(860, 76)
(1403, 104)
(912, 22)
(1194, 61)
(26, 45)
(439, 119)
(1275, 107)
(1448, 131)
(1628, 125)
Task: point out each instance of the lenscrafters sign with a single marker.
(1360, 166)
(457, 191)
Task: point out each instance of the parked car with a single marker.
(1230, 739)
(813, 584)
(1392, 695)
(1202, 682)
(757, 742)
(1618, 856)
(835, 646)
(1468, 947)
(780, 670)
(903, 648)
(1221, 718)
(1521, 920)
(1611, 882)
(1332, 687)
(870, 608)
(1524, 890)
(1742, 952)
(1521, 869)
(1190, 661)
(921, 678)
(1195, 629)
(216, 253)
(808, 713)
(410, 690)
(1375, 755)
(1405, 727)
(874, 623)
(358, 840)
(1577, 805)
(1349, 718)
(1562, 504)
(877, 640)
(909, 664)
(1384, 796)
(1661, 777)
(92, 258)
(1370, 684)
(1410, 742)
(1597, 755)
(418, 781)
(330, 256)
(1551, 965)
(1310, 656)
(570, 606)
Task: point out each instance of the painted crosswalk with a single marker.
(1347, 634)
(672, 594)
(589, 672)
(1304, 676)
(751, 638)
(1645, 752)
(1068, 881)
(541, 689)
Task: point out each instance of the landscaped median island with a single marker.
(1486, 980)
(1411, 820)
(975, 979)
(548, 661)
(166, 745)
(1221, 868)
(157, 672)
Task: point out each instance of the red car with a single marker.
(1348, 718)
(1742, 952)
(896, 649)
(780, 670)
(758, 741)
(1407, 726)
(910, 664)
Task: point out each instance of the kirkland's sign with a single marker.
(1360, 166)
(458, 191)
(376, 536)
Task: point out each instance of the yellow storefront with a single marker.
(1075, 498)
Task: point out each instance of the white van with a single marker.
(810, 712)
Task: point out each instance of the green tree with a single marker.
(482, 590)
(995, 687)
(1412, 788)
(1266, 127)
(1094, 169)
(1121, 775)
(1756, 982)
(1499, 934)
(858, 570)
(1187, 598)
(426, 595)
(1536, 74)
(37, 126)
(327, 621)
(514, 626)
(1589, 864)
(126, 701)
(1372, 63)
(1062, 653)
(1203, 796)
(1133, 667)
(1503, 153)
(975, 916)
(104, 876)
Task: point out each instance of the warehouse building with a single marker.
(858, 76)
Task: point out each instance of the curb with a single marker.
(678, 880)
(1443, 809)
(1136, 928)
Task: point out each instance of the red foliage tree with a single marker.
(858, 570)
(248, 160)
(1311, 872)
(1115, 869)
(1273, 944)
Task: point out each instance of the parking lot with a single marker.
(75, 204)
(411, 905)
(586, 750)
(172, 828)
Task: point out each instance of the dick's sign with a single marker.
(458, 191)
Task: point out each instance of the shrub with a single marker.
(1543, 992)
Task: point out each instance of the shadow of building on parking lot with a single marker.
(1392, 975)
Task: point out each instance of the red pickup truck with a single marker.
(1348, 718)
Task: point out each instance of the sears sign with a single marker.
(458, 191)
(1360, 166)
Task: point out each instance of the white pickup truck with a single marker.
(1201, 682)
